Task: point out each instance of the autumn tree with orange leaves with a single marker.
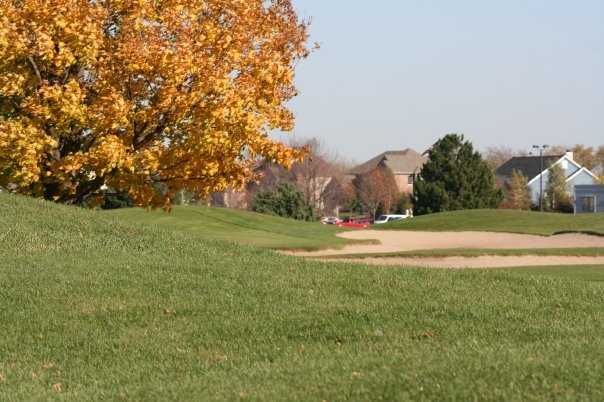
(376, 190)
(145, 97)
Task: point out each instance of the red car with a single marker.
(356, 223)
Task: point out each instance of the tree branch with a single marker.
(35, 67)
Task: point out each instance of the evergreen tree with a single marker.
(286, 201)
(519, 195)
(455, 177)
(556, 193)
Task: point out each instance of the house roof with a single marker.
(529, 166)
(405, 161)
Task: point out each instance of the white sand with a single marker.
(400, 241)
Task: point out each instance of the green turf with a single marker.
(117, 311)
(239, 226)
(500, 220)
(467, 252)
(586, 273)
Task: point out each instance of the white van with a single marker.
(390, 218)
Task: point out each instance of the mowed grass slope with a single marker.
(498, 220)
(95, 309)
(238, 226)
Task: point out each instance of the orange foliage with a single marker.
(143, 95)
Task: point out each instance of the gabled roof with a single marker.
(578, 172)
(405, 161)
(529, 166)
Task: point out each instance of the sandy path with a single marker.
(395, 241)
(486, 261)
(400, 241)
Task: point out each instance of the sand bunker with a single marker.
(486, 261)
(400, 241)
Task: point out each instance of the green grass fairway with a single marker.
(498, 220)
(238, 226)
(585, 273)
(93, 308)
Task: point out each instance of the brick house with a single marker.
(405, 165)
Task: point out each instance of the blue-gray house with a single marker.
(530, 166)
(589, 199)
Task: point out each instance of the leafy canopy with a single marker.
(455, 177)
(519, 196)
(557, 197)
(376, 190)
(142, 96)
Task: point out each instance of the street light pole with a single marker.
(541, 149)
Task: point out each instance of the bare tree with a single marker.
(600, 155)
(584, 155)
(376, 190)
(319, 175)
(497, 155)
(336, 195)
(553, 150)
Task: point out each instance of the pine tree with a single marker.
(519, 195)
(455, 177)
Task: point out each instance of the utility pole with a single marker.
(541, 149)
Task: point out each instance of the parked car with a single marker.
(389, 218)
(331, 220)
(359, 222)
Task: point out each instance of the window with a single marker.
(588, 204)
(411, 179)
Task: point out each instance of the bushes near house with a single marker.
(404, 204)
(286, 201)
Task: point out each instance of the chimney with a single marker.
(570, 155)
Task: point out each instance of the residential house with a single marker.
(314, 177)
(269, 176)
(405, 165)
(531, 168)
(589, 198)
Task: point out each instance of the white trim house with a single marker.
(530, 166)
(589, 199)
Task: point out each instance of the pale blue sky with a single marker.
(401, 73)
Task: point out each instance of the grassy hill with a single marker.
(238, 226)
(93, 308)
(498, 220)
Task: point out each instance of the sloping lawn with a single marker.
(497, 220)
(238, 226)
(93, 308)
